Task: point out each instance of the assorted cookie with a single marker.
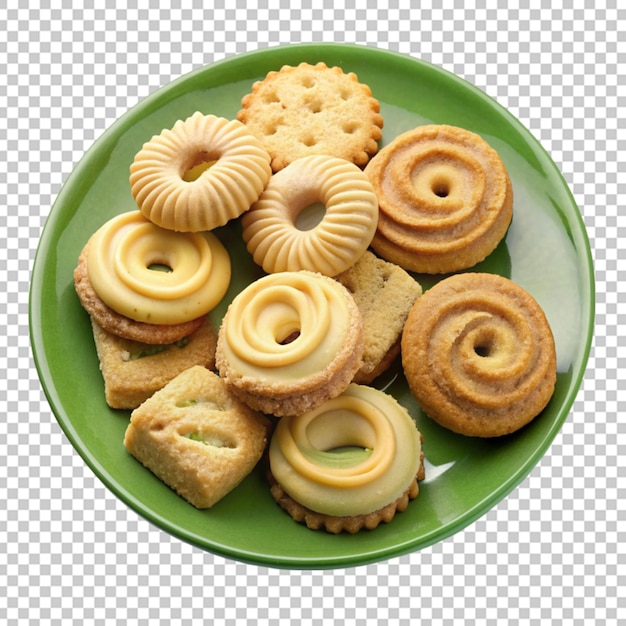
(132, 371)
(384, 294)
(274, 231)
(339, 229)
(445, 196)
(310, 109)
(289, 341)
(197, 437)
(350, 463)
(200, 174)
(479, 355)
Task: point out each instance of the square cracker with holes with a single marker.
(196, 437)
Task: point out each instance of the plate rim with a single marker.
(470, 516)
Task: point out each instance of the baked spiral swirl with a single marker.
(479, 355)
(445, 197)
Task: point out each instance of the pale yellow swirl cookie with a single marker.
(446, 199)
(200, 174)
(349, 209)
(352, 456)
(154, 275)
(290, 341)
(479, 355)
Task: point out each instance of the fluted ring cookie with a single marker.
(200, 174)
(313, 109)
(479, 355)
(349, 210)
(289, 341)
(351, 463)
(445, 196)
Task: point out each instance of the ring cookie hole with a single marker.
(310, 216)
(483, 349)
(290, 338)
(441, 187)
(199, 164)
(160, 267)
(341, 438)
(485, 344)
(287, 334)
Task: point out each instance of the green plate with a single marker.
(546, 251)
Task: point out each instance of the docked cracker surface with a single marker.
(197, 437)
(313, 109)
(133, 371)
(384, 293)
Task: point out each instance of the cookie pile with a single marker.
(341, 231)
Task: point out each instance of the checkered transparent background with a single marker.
(71, 553)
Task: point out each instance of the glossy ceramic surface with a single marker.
(546, 251)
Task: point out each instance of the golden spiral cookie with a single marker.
(289, 341)
(345, 462)
(446, 199)
(198, 175)
(345, 231)
(479, 355)
(121, 261)
(313, 109)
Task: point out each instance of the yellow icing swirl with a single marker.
(285, 326)
(301, 452)
(345, 231)
(198, 175)
(121, 260)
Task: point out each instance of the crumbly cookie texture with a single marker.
(479, 355)
(445, 199)
(133, 371)
(196, 437)
(384, 293)
(313, 109)
(350, 524)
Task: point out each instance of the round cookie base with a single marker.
(350, 524)
(289, 399)
(470, 416)
(121, 325)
